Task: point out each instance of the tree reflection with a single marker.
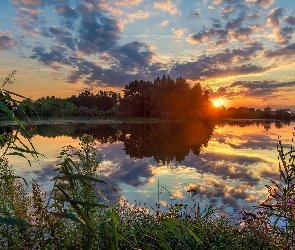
(163, 141)
(166, 142)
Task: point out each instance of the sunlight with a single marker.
(216, 104)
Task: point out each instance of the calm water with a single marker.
(225, 164)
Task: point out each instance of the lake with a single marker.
(227, 164)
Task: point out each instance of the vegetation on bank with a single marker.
(164, 98)
(78, 215)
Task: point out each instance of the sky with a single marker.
(241, 51)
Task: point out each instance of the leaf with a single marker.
(24, 150)
(79, 177)
(23, 97)
(6, 235)
(78, 209)
(83, 203)
(82, 177)
(14, 177)
(70, 216)
(15, 222)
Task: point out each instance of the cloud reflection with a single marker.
(227, 166)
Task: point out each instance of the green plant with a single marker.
(13, 195)
(276, 214)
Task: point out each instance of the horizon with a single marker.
(241, 51)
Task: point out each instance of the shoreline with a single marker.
(56, 121)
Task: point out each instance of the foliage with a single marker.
(277, 213)
(104, 103)
(251, 113)
(165, 98)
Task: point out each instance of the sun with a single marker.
(216, 104)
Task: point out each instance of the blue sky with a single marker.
(242, 51)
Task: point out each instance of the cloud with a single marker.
(138, 15)
(286, 51)
(57, 55)
(128, 3)
(6, 40)
(264, 3)
(63, 36)
(66, 11)
(274, 20)
(235, 23)
(195, 15)
(214, 191)
(165, 23)
(241, 34)
(266, 88)
(98, 35)
(233, 30)
(226, 63)
(132, 55)
(27, 2)
(227, 167)
(28, 18)
(207, 35)
(290, 20)
(135, 174)
(166, 5)
(179, 32)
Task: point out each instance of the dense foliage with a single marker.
(251, 113)
(103, 103)
(165, 98)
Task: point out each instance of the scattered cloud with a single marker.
(28, 18)
(27, 2)
(98, 35)
(167, 6)
(128, 3)
(7, 41)
(264, 3)
(195, 15)
(179, 32)
(138, 15)
(165, 23)
(286, 52)
(290, 20)
(66, 11)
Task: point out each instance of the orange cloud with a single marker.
(179, 33)
(166, 5)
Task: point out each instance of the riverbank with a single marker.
(114, 120)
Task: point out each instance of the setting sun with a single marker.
(216, 104)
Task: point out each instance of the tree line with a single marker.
(251, 113)
(164, 98)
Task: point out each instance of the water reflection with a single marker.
(164, 142)
(227, 163)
